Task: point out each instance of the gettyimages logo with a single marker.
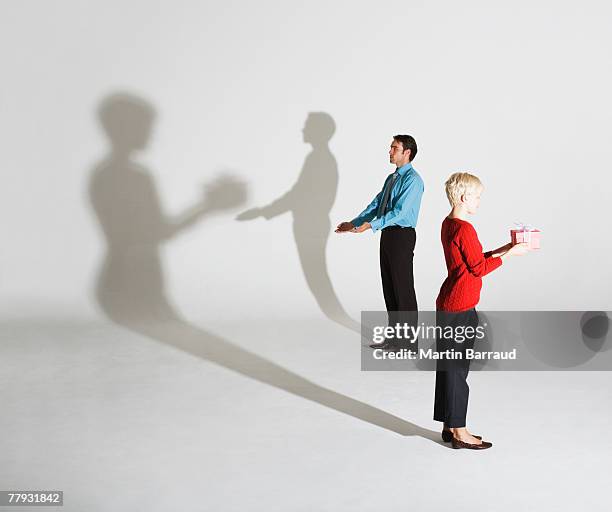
(486, 340)
(405, 331)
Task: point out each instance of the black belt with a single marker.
(393, 228)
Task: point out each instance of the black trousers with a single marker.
(396, 270)
(452, 390)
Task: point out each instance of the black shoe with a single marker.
(460, 444)
(384, 345)
(447, 436)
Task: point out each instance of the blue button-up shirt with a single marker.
(403, 205)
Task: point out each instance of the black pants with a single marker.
(396, 270)
(452, 390)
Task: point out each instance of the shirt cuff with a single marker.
(376, 224)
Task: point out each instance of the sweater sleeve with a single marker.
(477, 263)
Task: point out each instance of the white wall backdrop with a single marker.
(518, 94)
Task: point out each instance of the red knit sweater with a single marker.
(466, 264)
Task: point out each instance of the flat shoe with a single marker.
(460, 444)
(447, 436)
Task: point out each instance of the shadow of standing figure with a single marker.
(310, 200)
(130, 286)
(124, 197)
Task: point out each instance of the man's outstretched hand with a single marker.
(346, 227)
(343, 227)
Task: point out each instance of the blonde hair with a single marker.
(460, 183)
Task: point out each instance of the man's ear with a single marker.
(409, 153)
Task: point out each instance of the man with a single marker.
(395, 211)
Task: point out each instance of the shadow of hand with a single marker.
(250, 214)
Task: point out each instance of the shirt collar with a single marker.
(404, 169)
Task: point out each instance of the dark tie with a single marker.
(382, 207)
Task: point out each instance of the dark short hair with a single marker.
(407, 142)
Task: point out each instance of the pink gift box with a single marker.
(527, 235)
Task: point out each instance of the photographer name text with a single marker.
(432, 354)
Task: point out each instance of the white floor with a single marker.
(284, 420)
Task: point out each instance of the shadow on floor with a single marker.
(130, 285)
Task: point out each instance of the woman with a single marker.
(455, 306)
